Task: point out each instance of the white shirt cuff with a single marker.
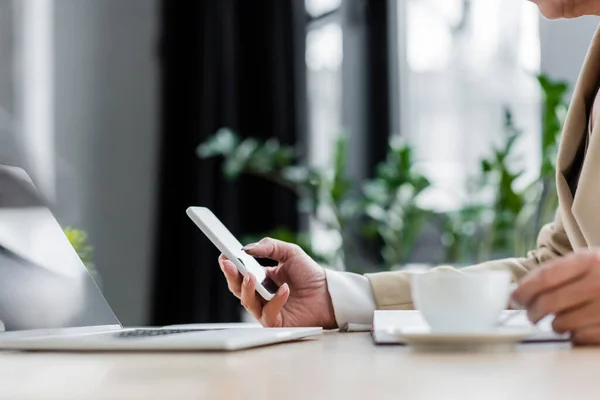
(352, 298)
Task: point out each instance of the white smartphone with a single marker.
(227, 244)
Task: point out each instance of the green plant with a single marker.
(485, 228)
(278, 163)
(391, 204)
(497, 174)
(542, 199)
(383, 208)
(509, 224)
(460, 233)
(79, 240)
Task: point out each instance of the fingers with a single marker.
(552, 275)
(268, 313)
(250, 298)
(578, 318)
(569, 296)
(274, 249)
(271, 313)
(232, 275)
(587, 336)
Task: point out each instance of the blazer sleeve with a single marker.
(391, 290)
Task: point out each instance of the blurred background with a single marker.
(376, 134)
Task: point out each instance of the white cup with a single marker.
(455, 301)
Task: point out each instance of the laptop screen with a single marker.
(43, 282)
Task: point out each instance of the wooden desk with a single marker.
(334, 366)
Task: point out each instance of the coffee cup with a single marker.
(455, 301)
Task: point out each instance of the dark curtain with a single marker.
(225, 63)
(377, 77)
(376, 103)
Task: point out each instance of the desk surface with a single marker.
(334, 366)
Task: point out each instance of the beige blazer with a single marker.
(577, 222)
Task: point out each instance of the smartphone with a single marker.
(227, 244)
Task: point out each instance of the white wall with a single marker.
(106, 123)
(564, 44)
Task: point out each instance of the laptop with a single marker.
(50, 301)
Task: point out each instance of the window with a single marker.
(454, 67)
(461, 62)
(319, 8)
(324, 59)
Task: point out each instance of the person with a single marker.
(561, 277)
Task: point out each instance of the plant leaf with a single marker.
(222, 143)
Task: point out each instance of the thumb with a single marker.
(274, 249)
(271, 314)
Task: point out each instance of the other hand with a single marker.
(569, 288)
(555, 9)
(302, 299)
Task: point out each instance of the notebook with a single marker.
(383, 320)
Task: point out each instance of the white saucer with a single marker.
(423, 338)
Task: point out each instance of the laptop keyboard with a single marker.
(136, 333)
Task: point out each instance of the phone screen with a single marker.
(231, 247)
(268, 284)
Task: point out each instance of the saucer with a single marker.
(498, 338)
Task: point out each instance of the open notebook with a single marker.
(383, 320)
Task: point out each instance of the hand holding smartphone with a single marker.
(228, 244)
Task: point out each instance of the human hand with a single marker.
(555, 9)
(302, 299)
(569, 288)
